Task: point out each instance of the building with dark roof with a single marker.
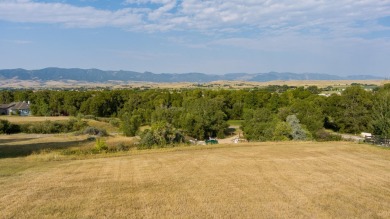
(15, 108)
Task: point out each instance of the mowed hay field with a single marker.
(249, 180)
(27, 119)
(33, 119)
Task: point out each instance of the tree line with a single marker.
(271, 113)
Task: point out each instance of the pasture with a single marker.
(30, 84)
(28, 119)
(248, 180)
(32, 119)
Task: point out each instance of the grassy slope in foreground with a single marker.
(254, 180)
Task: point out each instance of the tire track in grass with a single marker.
(36, 188)
(173, 181)
(139, 201)
(335, 168)
(224, 191)
(187, 174)
(287, 194)
(299, 180)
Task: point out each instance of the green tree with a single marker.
(22, 95)
(6, 96)
(169, 115)
(4, 126)
(309, 114)
(130, 124)
(356, 109)
(313, 89)
(297, 131)
(73, 101)
(332, 109)
(381, 113)
(203, 118)
(259, 124)
(56, 103)
(160, 135)
(282, 132)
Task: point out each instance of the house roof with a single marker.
(5, 106)
(20, 106)
(15, 106)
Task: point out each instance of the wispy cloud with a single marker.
(71, 16)
(18, 42)
(270, 17)
(21, 42)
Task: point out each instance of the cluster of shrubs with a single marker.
(46, 127)
(323, 135)
(94, 131)
(112, 121)
(8, 128)
(52, 127)
(100, 147)
(160, 135)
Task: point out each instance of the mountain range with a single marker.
(96, 75)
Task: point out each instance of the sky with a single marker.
(339, 37)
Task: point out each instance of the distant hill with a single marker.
(96, 75)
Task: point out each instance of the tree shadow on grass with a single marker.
(22, 150)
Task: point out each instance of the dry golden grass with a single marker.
(250, 84)
(27, 119)
(20, 145)
(103, 125)
(318, 83)
(252, 180)
(29, 84)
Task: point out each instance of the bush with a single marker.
(114, 122)
(13, 129)
(160, 135)
(46, 127)
(89, 117)
(130, 124)
(297, 131)
(147, 140)
(282, 132)
(4, 126)
(119, 147)
(322, 135)
(50, 127)
(75, 124)
(95, 131)
(100, 145)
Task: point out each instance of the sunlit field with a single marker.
(248, 180)
(26, 119)
(29, 84)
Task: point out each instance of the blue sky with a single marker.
(342, 37)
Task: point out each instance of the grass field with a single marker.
(27, 119)
(29, 84)
(249, 180)
(31, 119)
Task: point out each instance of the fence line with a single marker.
(377, 140)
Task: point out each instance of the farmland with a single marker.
(31, 84)
(21, 119)
(135, 154)
(267, 180)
